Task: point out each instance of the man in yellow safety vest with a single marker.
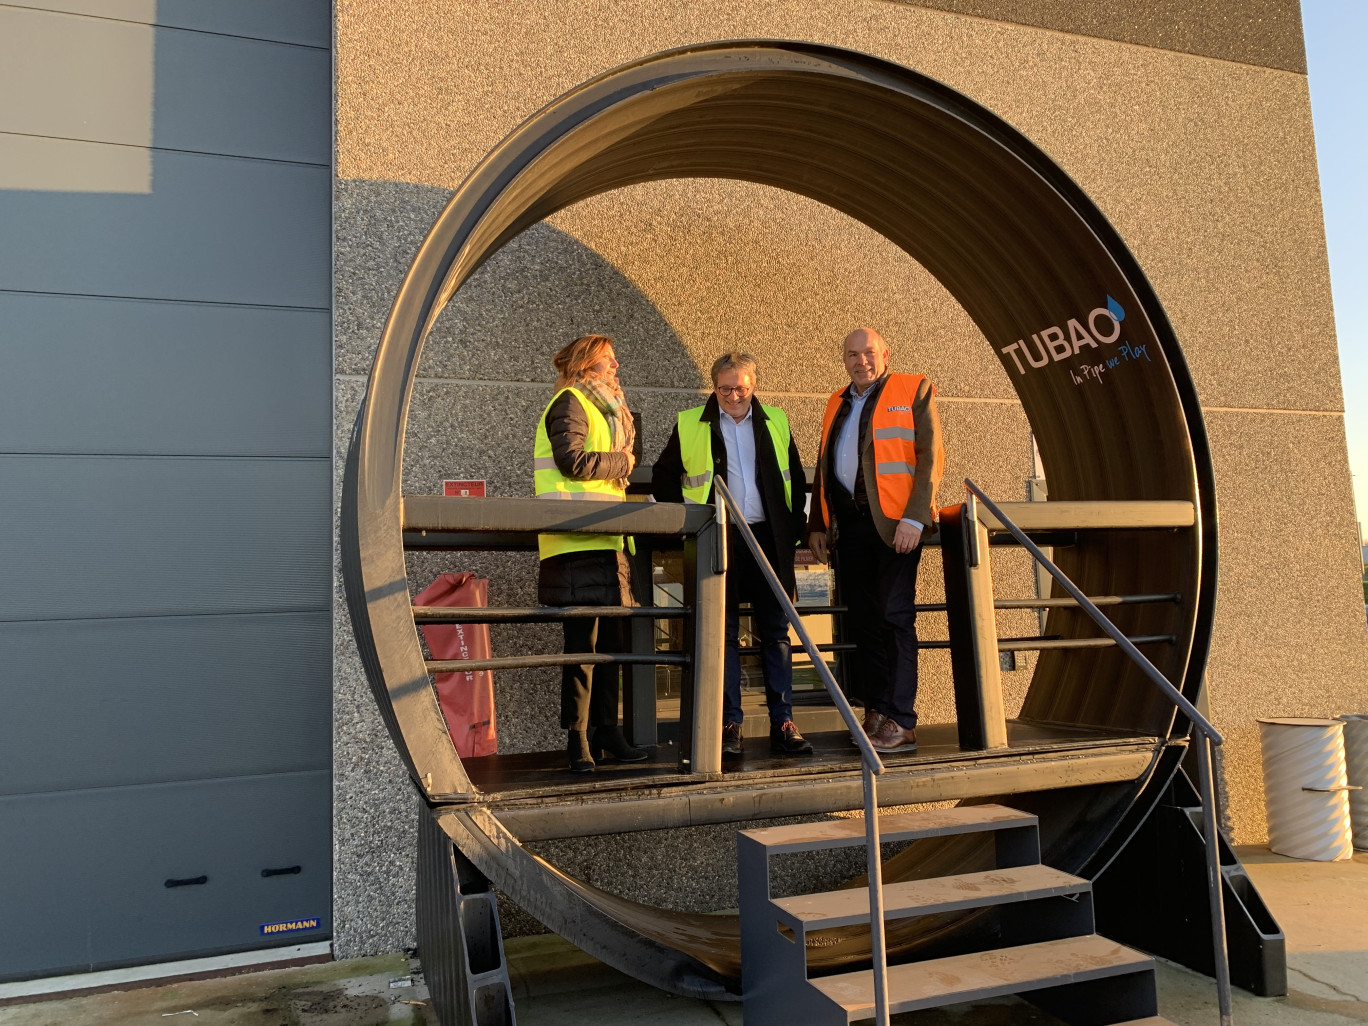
(875, 494)
(749, 445)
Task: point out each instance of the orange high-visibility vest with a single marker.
(895, 436)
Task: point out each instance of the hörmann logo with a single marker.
(292, 926)
(1103, 325)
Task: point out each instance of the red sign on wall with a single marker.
(464, 489)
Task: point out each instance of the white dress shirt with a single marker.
(742, 477)
(847, 461)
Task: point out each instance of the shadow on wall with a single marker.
(486, 373)
(484, 380)
(540, 291)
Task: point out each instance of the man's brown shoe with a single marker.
(869, 725)
(889, 737)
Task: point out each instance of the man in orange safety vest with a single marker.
(880, 461)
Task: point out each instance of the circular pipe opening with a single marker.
(1050, 284)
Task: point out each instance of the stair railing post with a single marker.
(1214, 877)
(974, 662)
(874, 864)
(700, 705)
(1207, 738)
(708, 602)
(639, 695)
(870, 763)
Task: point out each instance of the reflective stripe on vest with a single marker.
(695, 450)
(549, 483)
(894, 440)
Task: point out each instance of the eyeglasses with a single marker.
(734, 393)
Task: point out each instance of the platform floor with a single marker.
(536, 774)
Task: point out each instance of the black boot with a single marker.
(577, 748)
(609, 741)
(785, 740)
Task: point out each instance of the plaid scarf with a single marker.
(610, 402)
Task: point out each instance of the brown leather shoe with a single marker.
(869, 724)
(889, 737)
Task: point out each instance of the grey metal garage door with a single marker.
(165, 480)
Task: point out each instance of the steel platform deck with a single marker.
(535, 797)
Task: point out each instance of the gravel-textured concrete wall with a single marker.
(1206, 167)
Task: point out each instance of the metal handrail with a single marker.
(870, 763)
(1209, 739)
(541, 614)
(1012, 603)
(527, 662)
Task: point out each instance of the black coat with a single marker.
(593, 577)
(667, 478)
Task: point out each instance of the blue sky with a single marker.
(1335, 30)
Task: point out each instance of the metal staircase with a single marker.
(1048, 953)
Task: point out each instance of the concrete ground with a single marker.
(1322, 907)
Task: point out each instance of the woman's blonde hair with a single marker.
(573, 362)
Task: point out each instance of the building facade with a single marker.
(171, 378)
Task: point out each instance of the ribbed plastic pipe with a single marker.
(1356, 763)
(1306, 788)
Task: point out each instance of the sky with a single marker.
(1338, 72)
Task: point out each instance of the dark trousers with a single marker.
(880, 589)
(589, 693)
(745, 583)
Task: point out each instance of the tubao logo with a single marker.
(1103, 325)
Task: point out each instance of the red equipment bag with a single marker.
(467, 699)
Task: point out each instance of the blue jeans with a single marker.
(746, 584)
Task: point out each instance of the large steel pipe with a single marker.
(1064, 305)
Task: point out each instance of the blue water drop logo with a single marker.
(1115, 309)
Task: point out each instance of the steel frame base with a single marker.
(459, 940)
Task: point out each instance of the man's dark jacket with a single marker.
(668, 473)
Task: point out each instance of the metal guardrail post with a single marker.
(974, 661)
(878, 942)
(1215, 881)
(639, 695)
(1038, 491)
(870, 763)
(1208, 737)
(700, 725)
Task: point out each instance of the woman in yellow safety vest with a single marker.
(585, 452)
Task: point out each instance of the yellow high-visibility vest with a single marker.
(695, 449)
(549, 483)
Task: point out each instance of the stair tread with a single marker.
(984, 974)
(902, 826)
(938, 894)
(1153, 1020)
